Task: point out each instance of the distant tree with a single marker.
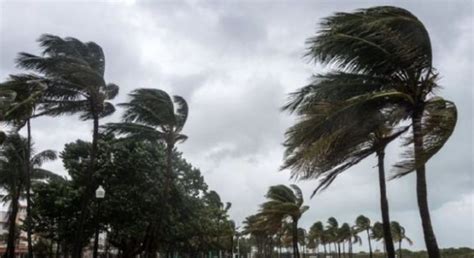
(286, 202)
(362, 223)
(398, 233)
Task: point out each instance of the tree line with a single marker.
(156, 202)
(275, 226)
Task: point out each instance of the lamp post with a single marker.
(99, 195)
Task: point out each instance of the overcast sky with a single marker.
(235, 62)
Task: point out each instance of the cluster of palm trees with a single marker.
(380, 87)
(278, 216)
(275, 225)
(333, 238)
(67, 79)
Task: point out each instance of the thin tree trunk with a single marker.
(421, 190)
(370, 244)
(384, 205)
(77, 248)
(28, 189)
(338, 249)
(400, 248)
(296, 253)
(11, 241)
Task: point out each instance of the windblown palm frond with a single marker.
(437, 125)
(381, 40)
(152, 114)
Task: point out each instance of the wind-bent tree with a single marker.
(15, 162)
(74, 74)
(382, 58)
(398, 233)
(28, 90)
(286, 202)
(362, 223)
(316, 234)
(377, 232)
(153, 115)
(333, 232)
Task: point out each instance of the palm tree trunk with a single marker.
(28, 189)
(421, 190)
(77, 248)
(296, 253)
(370, 244)
(384, 205)
(10, 252)
(400, 248)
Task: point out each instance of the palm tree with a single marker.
(377, 232)
(316, 234)
(333, 234)
(345, 234)
(362, 223)
(74, 74)
(14, 177)
(152, 114)
(286, 202)
(28, 90)
(353, 239)
(398, 233)
(391, 71)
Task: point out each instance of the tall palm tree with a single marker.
(28, 90)
(391, 71)
(286, 202)
(14, 175)
(153, 115)
(362, 223)
(399, 235)
(74, 74)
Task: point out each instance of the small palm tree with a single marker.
(13, 177)
(286, 202)
(398, 233)
(316, 233)
(377, 232)
(362, 223)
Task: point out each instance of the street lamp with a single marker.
(99, 195)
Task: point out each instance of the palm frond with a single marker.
(438, 123)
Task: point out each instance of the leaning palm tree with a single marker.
(362, 223)
(14, 154)
(152, 114)
(286, 202)
(333, 234)
(382, 61)
(377, 232)
(316, 234)
(28, 90)
(399, 235)
(74, 74)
